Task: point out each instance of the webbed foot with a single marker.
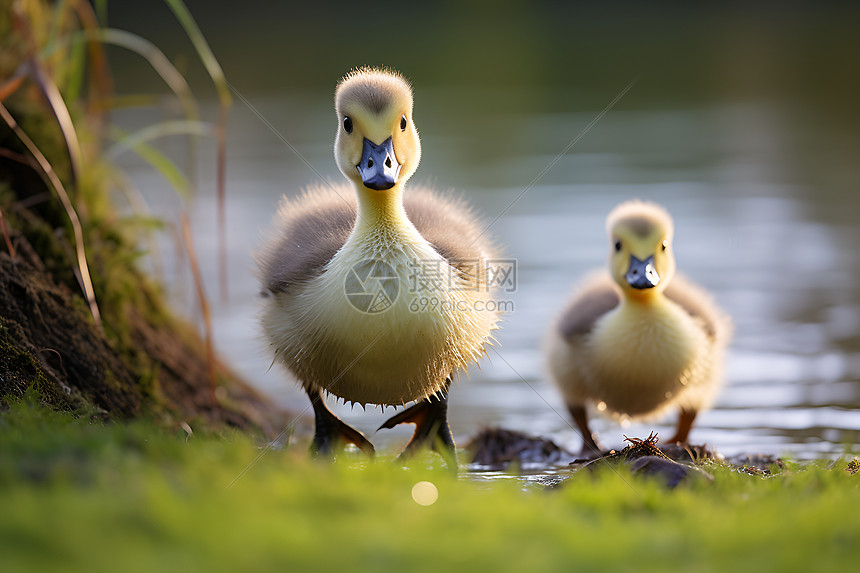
(331, 433)
(430, 417)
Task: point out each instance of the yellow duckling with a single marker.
(375, 296)
(638, 340)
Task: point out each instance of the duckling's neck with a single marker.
(383, 231)
(643, 302)
(381, 212)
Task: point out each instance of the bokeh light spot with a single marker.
(425, 493)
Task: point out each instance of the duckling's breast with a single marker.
(641, 359)
(386, 322)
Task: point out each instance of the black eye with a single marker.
(403, 123)
(347, 124)
(665, 245)
(617, 245)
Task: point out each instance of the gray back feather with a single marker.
(311, 229)
(698, 303)
(449, 225)
(597, 298)
(601, 296)
(315, 226)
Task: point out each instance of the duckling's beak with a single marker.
(378, 168)
(642, 274)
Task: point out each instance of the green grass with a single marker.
(77, 495)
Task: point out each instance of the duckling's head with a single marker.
(641, 259)
(377, 145)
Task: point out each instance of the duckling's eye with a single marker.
(617, 245)
(403, 123)
(665, 245)
(347, 124)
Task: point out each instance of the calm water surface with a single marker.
(764, 219)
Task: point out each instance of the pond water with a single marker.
(762, 184)
(781, 259)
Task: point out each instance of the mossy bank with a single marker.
(80, 323)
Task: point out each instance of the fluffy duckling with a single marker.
(638, 340)
(374, 295)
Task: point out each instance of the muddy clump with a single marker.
(644, 458)
(498, 449)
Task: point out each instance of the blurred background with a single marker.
(743, 121)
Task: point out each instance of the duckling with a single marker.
(375, 295)
(638, 340)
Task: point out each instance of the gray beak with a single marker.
(378, 166)
(642, 274)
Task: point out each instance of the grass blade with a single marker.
(156, 58)
(5, 231)
(75, 75)
(101, 83)
(137, 142)
(224, 99)
(101, 9)
(11, 86)
(164, 165)
(168, 73)
(48, 170)
(163, 129)
(64, 118)
(188, 242)
(142, 212)
(203, 50)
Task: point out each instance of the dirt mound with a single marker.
(48, 340)
(46, 333)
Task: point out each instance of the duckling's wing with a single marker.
(596, 298)
(310, 230)
(699, 304)
(451, 227)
